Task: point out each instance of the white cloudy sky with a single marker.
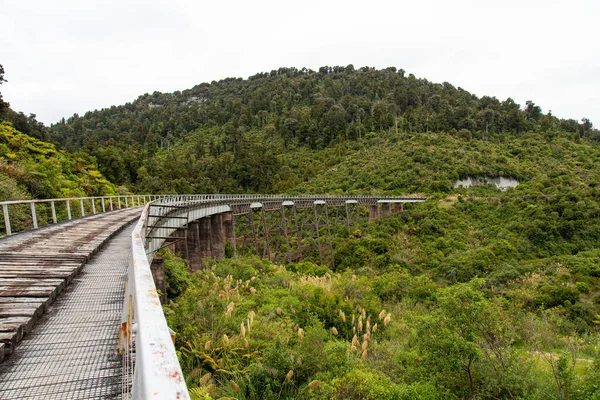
(70, 56)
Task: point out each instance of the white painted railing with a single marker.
(70, 208)
(75, 207)
(157, 374)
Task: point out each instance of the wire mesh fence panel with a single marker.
(60, 208)
(20, 218)
(88, 206)
(43, 212)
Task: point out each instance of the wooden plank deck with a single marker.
(36, 266)
(70, 353)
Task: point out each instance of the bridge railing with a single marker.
(32, 214)
(157, 372)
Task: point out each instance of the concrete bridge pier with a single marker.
(194, 255)
(386, 209)
(204, 229)
(373, 213)
(158, 273)
(217, 237)
(398, 208)
(205, 238)
(180, 245)
(229, 230)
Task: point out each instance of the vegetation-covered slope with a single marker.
(30, 168)
(244, 134)
(489, 294)
(458, 299)
(543, 163)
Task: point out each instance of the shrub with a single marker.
(367, 385)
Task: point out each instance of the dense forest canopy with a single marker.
(239, 134)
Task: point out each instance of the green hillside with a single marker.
(542, 162)
(265, 133)
(490, 294)
(30, 168)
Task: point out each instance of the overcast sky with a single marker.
(71, 56)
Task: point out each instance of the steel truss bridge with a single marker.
(106, 336)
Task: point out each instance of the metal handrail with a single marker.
(107, 203)
(140, 199)
(157, 373)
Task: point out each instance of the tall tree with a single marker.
(586, 126)
(486, 118)
(3, 105)
(532, 112)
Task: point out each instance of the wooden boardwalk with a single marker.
(36, 266)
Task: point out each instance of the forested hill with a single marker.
(248, 134)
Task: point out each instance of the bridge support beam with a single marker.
(193, 245)
(386, 209)
(180, 246)
(398, 208)
(324, 244)
(217, 237)
(352, 216)
(204, 237)
(373, 213)
(229, 229)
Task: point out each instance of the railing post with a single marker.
(93, 205)
(54, 220)
(68, 209)
(103, 206)
(111, 204)
(33, 215)
(6, 219)
(126, 202)
(82, 207)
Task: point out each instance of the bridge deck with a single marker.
(70, 353)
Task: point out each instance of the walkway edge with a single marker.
(24, 305)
